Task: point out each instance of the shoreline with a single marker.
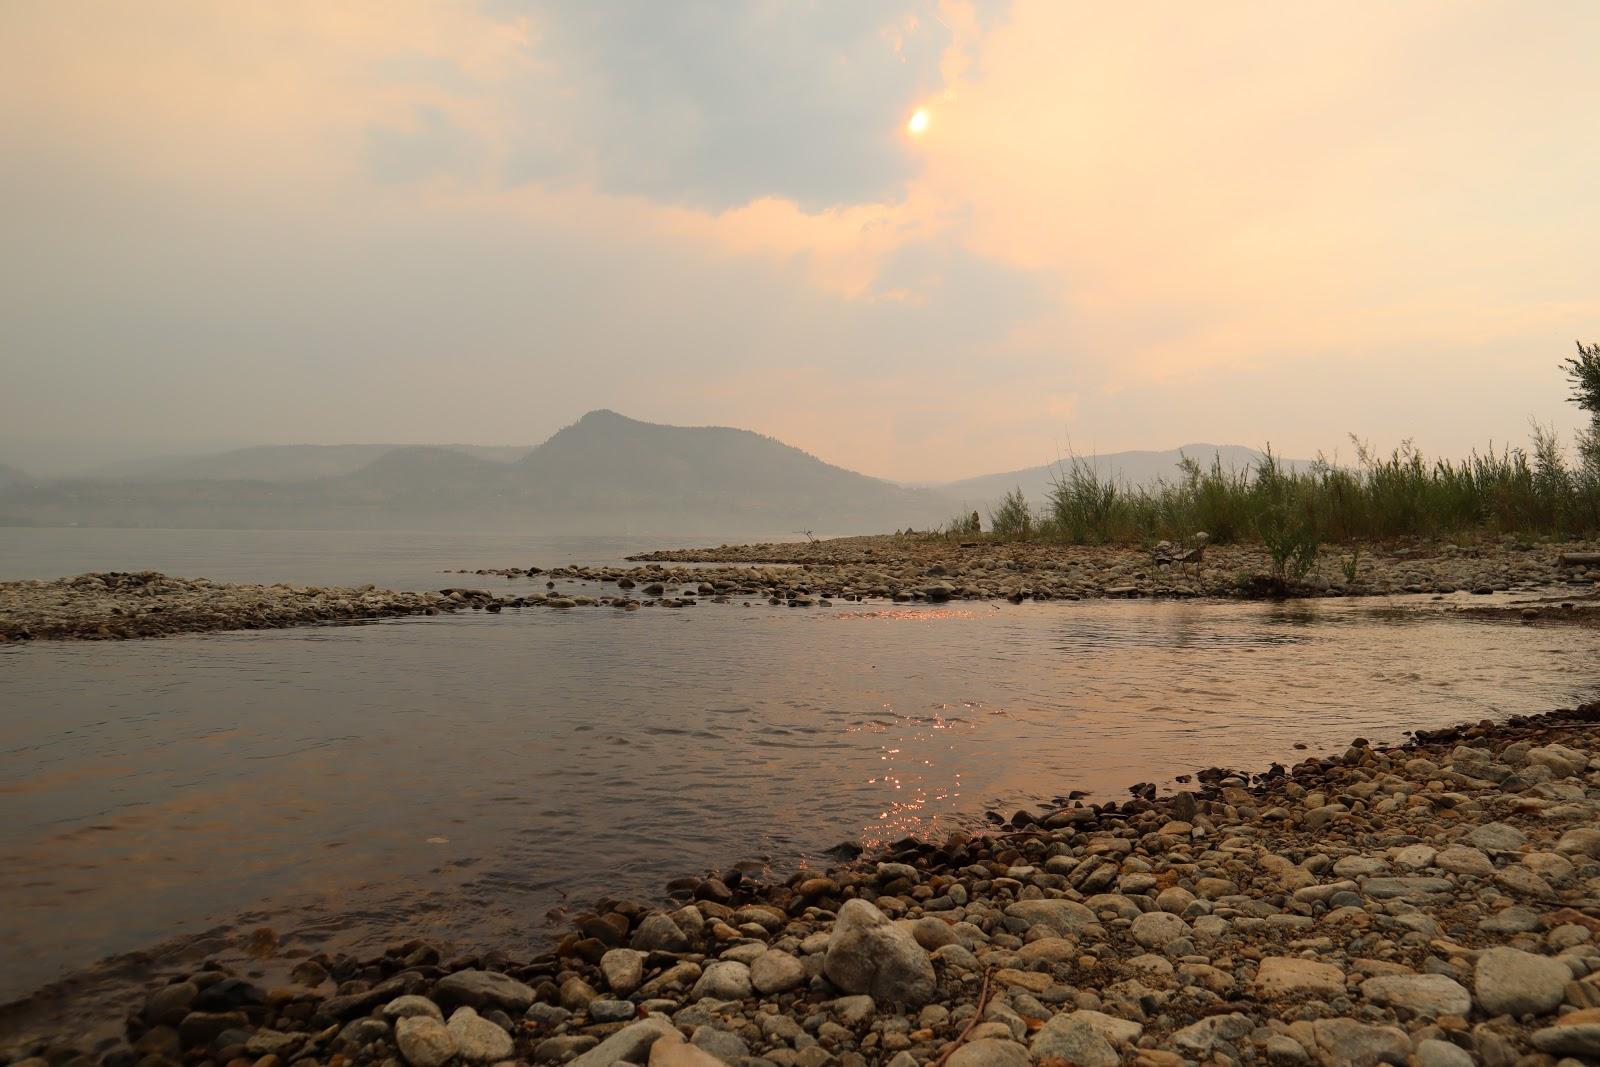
(907, 565)
(116, 605)
(1342, 911)
(888, 568)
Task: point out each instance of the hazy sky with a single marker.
(1124, 226)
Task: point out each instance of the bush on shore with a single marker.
(1014, 519)
(1528, 492)
(1532, 492)
(1518, 491)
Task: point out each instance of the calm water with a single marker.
(450, 778)
(389, 560)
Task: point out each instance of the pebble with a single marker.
(170, 1003)
(990, 1052)
(1076, 1040)
(1158, 929)
(1569, 1039)
(1509, 981)
(724, 980)
(483, 989)
(1427, 996)
(1066, 918)
(1433, 1052)
(478, 1040)
(725, 1046)
(424, 1041)
(1291, 976)
(409, 1005)
(610, 1011)
(671, 1052)
(775, 972)
(631, 1043)
(1349, 1043)
(623, 969)
(657, 933)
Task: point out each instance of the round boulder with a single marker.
(869, 954)
(1158, 929)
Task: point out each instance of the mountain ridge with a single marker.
(605, 472)
(276, 463)
(1140, 467)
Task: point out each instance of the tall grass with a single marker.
(1013, 521)
(1532, 492)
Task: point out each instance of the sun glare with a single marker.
(918, 121)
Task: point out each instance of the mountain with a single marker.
(277, 463)
(606, 462)
(12, 478)
(1134, 468)
(604, 474)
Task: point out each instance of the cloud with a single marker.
(425, 219)
(431, 145)
(1276, 184)
(716, 105)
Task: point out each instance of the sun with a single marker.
(918, 122)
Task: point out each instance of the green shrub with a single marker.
(966, 524)
(1013, 521)
(1293, 512)
(1507, 491)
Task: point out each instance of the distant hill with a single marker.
(10, 476)
(605, 473)
(1134, 468)
(421, 472)
(278, 463)
(607, 463)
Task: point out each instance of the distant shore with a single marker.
(116, 605)
(896, 569)
(905, 566)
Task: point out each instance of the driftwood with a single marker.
(1580, 559)
(977, 1016)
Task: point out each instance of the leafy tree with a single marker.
(1584, 372)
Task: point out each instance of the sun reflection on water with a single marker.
(906, 615)
(918, 777)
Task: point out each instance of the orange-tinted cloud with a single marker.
(1126, 226)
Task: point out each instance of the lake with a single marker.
(458, 778)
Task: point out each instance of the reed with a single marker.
(1532, 492)
(1013, 520)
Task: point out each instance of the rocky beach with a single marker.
(114, 606)
(910, 567)
(1434, 903)
(899, 569)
